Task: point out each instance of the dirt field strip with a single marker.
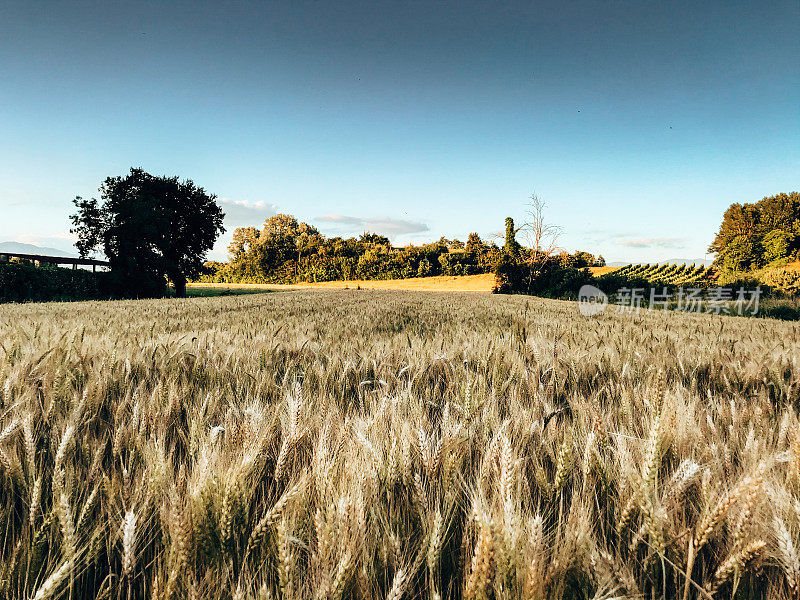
(598, 271)
(467, 283)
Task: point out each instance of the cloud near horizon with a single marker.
(64, 241)
(387, 226)
(32, 238)
(241, 213)
(652, 242)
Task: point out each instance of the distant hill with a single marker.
(33, 249)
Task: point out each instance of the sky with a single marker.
(637, 123)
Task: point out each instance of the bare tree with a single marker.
(542, 236)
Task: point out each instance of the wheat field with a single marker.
(371, 444)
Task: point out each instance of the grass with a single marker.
(315, 444)
(210, 290)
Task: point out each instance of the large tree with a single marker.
(759, 234)
(243, 255)
(474, 243)
(274, 251)
(150, 229)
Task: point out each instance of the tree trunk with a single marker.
(179, 281)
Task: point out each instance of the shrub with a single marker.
(549, 279)
(781, 279)
(509, 275)
(784, 312)
(425, 268)
(611, 282)
(20, 282)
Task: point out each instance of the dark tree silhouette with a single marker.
(150, 228)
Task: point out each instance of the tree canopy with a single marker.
(285, 250)
(150, 228)
(766, 233)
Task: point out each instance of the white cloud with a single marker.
(387, 226)
(241, 213)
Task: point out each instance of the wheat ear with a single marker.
(734, 563)
(52, 583)
(128, 542)
(482, 564)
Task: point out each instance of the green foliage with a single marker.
(580, 259)
(511, 246)
(752, 236)
(425, 268)
(150, 228)
(551, 277)
(558, 277)
(786, 281)
(509, 275)
(585, 259)
(288, 251)
(776, 245)
(735, 281)
(741, 254)
(20, 282)
(613, 281)
(782, 312)
(474, 243)
(648, 275)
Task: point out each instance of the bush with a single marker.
(784, 312)
(611, 282)
(784, 280)
(737, 279)
(425, 268)
(20, 282)
(553, 278)
(509, 275)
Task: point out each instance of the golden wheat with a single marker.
(367, 445)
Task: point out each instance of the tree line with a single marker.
(761, 234)
(157, 229)
(286, 250)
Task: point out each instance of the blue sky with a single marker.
(638, 123)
